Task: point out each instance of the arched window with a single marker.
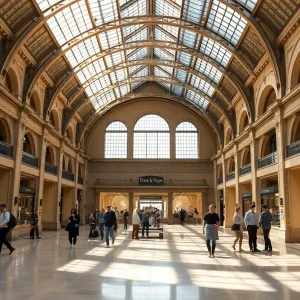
(116, 140)
(27, 145)
(151, 138)
(186, 141)
(4, 134)
(49, 156)
(273, 144)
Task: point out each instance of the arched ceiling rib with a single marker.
(183, 31)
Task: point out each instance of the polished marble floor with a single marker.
(176, 268)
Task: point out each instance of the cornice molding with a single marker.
(27, 57)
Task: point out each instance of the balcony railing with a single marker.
(293, 149)
(220, 180)
(30, 160)
(231, 176)
(67, 175)
(6, 149)
(267, 160)
(80, 180)
(49, 168)
(245, 169)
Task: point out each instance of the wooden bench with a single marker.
(160, 231)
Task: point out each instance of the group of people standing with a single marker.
(252, 223)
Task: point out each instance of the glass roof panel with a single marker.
(202, 85)
(165, 8)
(184, 58)
(118, 75)
(208, 70)
(136, 85)
(167, 69)
(103, 99)
(134, 68)
(160, 72)
(137, 8)
(226, 22)
(127, 30)
(104, 11)
(116, 126)
(181, 75)
(97, 85)
(163, 54)
(139, 36)
(215, 51)
(122, 90)
(195, 10)
(122, 2)
(166, 86)
(160, 35)
(91, 70)
(110, 38)
(250, 4)
(170, 29)
(70, 22)
(115, 59)
(79, 53)
(189, 38)
(177, 90)
(141, 73)
(45, 4)
(203, 103)
(139, 54)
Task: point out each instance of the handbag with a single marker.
(236, 227)
(68, 227)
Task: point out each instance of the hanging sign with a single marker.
(151, 180)
(144, 197)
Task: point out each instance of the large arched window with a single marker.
(151, 138)
(116, 140)
(186, 141)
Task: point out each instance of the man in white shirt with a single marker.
(4, 230)
(136, 224)
(251, 222)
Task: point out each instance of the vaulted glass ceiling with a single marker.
(112, 63)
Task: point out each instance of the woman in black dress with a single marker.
(92, 225)
(73, 227)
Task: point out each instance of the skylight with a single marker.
(122, 90)
(161, 35)
(250, 4)
(115, 59)
(203, 103)
(165, 8)
(189, 38)
(103, 99)
(91, 70)
(195, 10)
(181, 75)
(141, 73)
(202, 85)
(137, 8)
(166, 86)
(104, 11)
(130, 29)
(163, 54)
(118, 75)
(82, 51)
(139, 36)
(177, 90)
(184, 58)
(111, 38)
(45, 4)
(160, 72)
(226, 22)
(208, 70)
(136, 85)
(70, 22)
(138, 54)
(216, 51)
(98, 85)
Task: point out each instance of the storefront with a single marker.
(151, 202)
(270, 197)
(25, 204)
(246, 202)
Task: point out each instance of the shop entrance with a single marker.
(150, 203)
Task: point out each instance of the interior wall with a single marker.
(294, 176)
(230, 205)
(68, 204)
(4, 185)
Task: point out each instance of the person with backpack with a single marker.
(110, 223)
(7, 222)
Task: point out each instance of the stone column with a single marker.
(40, 181)
(224, 185)
(58, 190)
(255, 181)
(76, 177)
(170, 208)
(237, 174)
(283, 185)
(130, 210)
(84, 193)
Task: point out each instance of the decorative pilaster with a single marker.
(170, 208)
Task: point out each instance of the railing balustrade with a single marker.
(220, 180)
(231, 176)
(68, 175)
(267, 160)
(49, 168)
(30, 160)
(245, 169)
(293, 149)
(80, 180)
(6, 149)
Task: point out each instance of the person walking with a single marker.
(34, 224)
(92, 225)
(101, 221)
(195, 215)
(136, 223)
(265, 223)
(251, 222)
(109, 222)
(145, 223)
(4, 229)
(182, 216)
(211, 224)
(158, 216)
(125, 216)
(238, 221)
(73, 227)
